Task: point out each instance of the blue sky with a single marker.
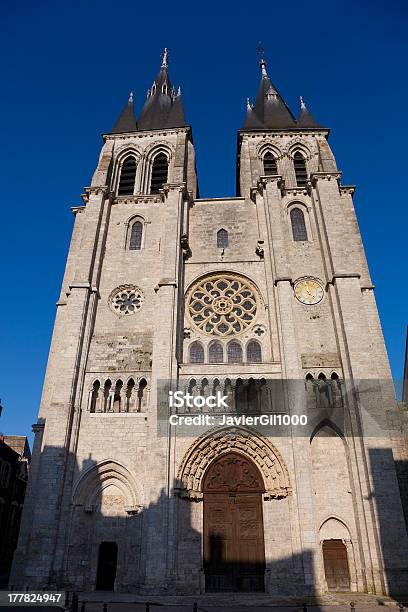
(67, 70)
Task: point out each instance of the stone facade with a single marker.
(101, 472)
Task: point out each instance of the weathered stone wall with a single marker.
(108, 476)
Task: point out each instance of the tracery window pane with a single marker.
(297, 219)
(222, 239)
(135, 243)
(196, 353)
(254, 353)
(300, 169)
(159, 173)
(216, 353)
(127, 176)
(269, 163)
(234, 352)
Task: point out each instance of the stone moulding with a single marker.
(98, 477)
(232, 439)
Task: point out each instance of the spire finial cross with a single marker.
(261, 52)
(165, 58)
(302, 103)
(130, 97)
(262, 63)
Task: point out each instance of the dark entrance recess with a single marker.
(234, 551)
(336, 565)
(107, 562)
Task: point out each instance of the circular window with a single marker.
(222, 304)
(126, 300)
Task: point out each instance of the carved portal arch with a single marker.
(228, 440)
(101, 476)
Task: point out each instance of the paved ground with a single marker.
(118, 602)
(238, 603)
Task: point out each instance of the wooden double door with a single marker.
(234, 551)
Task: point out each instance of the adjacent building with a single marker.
(14, 463)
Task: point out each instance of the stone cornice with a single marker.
(143, 134)
(347, 189)
(283, 132)
(94, 190)
(295, 191)
(77, 209)
(328, 176)
(165, 282)
(342, 275)
(79, 285)
(262, 182)
(281, 279)
(38, 428)
(138, 199)
(168, 187)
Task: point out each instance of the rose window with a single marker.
(126, 300)
(222, 304)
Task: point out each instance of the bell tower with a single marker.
(115, 331)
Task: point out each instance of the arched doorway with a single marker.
(107, 563)
(336, 566)
(234, 550)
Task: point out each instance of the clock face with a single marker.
(309, 291)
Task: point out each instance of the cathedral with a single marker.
(264, 298)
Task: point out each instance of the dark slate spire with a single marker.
(306, 118)
(270, 110)
(127, 119)
(163, 107)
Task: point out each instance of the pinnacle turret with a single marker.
(127, 120)
(306, 118)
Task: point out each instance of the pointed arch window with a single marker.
(254, 352)
(297, 219)
(234, 352)
(269, 164)
(130, 396)
(216, 353)
(95, 396)
(142, 396)
(136, 235)
(117, 397)
(107, 396)
(299, 164)
(127, 176)
(160, 170)
(222, 239)
(196, 353)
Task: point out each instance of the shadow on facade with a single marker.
(101, 537)
(388, 475)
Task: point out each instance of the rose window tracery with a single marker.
(222, 304)
(126, 300)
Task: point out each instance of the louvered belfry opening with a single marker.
(127, 177)
(269, 163)
(159, 173)
(299, 164)
(297, 219)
